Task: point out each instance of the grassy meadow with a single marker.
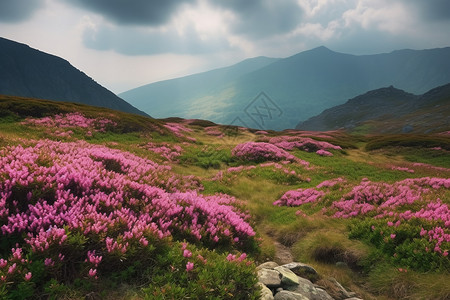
(98, 204)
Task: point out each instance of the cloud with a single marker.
(261, 18)
(151, 42)
(15, 11)
(135, 12)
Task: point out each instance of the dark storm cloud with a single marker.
(135, 12)
(15, 11)
(262, 18)
(142, 42)
(434, 9)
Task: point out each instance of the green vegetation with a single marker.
(368, 255)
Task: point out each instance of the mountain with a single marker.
(278, 93)
(387, 110)
(172, 98)
(27, 72)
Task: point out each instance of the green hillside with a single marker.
(101, 204)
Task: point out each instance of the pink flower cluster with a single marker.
(428, 166)
(303, 143)
(331, 183)
(404, 169)
(71, 120)
(384, 198)
(322, 152)
(214, 131)
(299, 197)
(259, 151)
(166, 150)
(117, 199)
(177, 129)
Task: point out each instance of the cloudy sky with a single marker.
(123, 44)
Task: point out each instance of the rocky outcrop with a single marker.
(290, 282)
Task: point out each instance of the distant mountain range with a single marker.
(273, 93)
(27, 72)
(387, 110)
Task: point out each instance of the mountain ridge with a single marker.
(387, 110)
(28, 72)
(301, 86)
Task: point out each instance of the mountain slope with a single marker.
(298, 87)
(388, 110)
(171, 98)
(27, 72)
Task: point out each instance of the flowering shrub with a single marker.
(71, 120)
(299, 197)
(254, 151)
(167, 151)
(60, 201)
(303, 143)
(177, 129)
(396, 213)
(330, 183)
(214, 131)
(404, 169)
(322, 152)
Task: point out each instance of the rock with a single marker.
(287, 276)
(270, 278)
(267, 265)
(341, 264)
(279, 290)
(305, 287)
(354, 298)
(266, 293)
(407, 128)
(286, 295)
(302, 270)
(323, 295)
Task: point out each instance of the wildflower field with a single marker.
(97, 204)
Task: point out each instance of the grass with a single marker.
(314, 238)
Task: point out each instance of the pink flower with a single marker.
(189, 266)
(92, 272)
(12, 268)
(3, 263)
(28, 276)
(187, 253)
(393, 236)
(49, 262)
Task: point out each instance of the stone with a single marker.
(267, 265)
(286, 295)
(354, 298)
(305, 287)
(341, 264)
(270, 278)
(301, 269)
(279, 290)
(287, 276)
(266, 293)
(322, 295)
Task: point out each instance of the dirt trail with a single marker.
(282, 254)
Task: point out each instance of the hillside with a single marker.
(27, 72)
(101, 204)
(171, 98)
(387, 110)
(299, 86)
